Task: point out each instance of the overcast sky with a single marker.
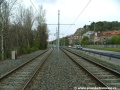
(97, 10)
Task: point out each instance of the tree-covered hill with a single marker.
(103, 26)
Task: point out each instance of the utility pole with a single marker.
(56, 36)
(58, 41)
(58, 28)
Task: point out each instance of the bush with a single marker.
(34, 49)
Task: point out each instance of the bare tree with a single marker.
(42, 28)
(18, 28)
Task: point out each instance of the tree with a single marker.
(18, 28)
(5, 32)
(42, 29)
(104, 26)
(43, 36)
(62, 41)
(115, 40)
(28, 23)
(85, 40)
(66, 41)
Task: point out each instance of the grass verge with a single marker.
(108, 49)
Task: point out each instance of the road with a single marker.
(110, 52)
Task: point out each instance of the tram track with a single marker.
(60, 74)
(105, 76)
(19, 78)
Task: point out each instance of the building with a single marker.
(103, 37)
(76, 37)
(97, 37)
(88, 34)
(73, 39)
(106, 35)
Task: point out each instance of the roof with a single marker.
(114, 32)
(74, 37)
(88, 33)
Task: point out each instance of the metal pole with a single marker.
(64, 40)
(58, 29)
(63, 44)
(53, 40)
(56, 36)
(80, 38)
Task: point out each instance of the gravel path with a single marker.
(7, 65)
(60, 74)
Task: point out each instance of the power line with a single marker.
(80, 13)
(34, 5)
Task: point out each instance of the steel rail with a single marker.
(36, 71)
(98, 64)
(100, 82)
(115, 73)
(12, 71)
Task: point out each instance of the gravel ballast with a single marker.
(60, 74)
(8, 65)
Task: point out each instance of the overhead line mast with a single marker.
(58, 28)
(58, 31)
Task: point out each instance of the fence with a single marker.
(103, 46)
(103, 54)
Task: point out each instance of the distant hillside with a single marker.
(103, 26)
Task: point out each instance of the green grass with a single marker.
(109, 49)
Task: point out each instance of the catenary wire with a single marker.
(33, 5)
(81, 13)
